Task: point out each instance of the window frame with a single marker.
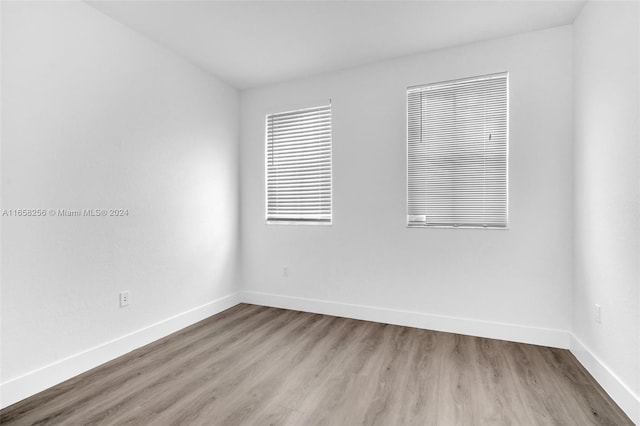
(293, 221)
(427, 225)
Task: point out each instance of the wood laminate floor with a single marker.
(253, 365)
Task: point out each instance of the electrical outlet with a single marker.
(285, 271)
(597, 314)
(124, 299)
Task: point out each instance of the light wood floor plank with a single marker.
(253, 365)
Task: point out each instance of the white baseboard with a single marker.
(38, 380)
(616, 388)
(619, 392)
(494, 330)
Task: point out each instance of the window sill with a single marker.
(498, 228)
(298, 222)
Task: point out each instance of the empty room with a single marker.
(320, 212)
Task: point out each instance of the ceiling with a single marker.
(255, 43)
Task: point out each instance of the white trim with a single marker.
(628, 401)
(495, 330)
(29, 384)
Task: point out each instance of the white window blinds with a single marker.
(299, 166)
(457, 153)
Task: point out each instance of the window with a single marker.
(457, 146)
(298, 156)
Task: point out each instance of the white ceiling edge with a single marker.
(250, 44)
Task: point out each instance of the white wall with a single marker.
(96, 116)
(607, 196)
(521, 276)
